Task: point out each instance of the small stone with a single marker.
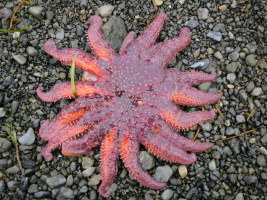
(182, 171)
(50, 14)
(217, 36)
(95, 180)
(231, 77)
(263, 150)
(4, 145)
(239, 196)
(87, 162)
(212, 165)
(28, 138)
(251, 60)
(233, 56)
(234, 4)
(223, 8)
(261, 161)
(147, 160)
(42, 194)
(13, 170)
(240, 119)
(232, 67)
(163, 173)
(31, 51)
(2, 112)
(181, 2)
(88, 172)
(13, 185)
(218, 55)
(167, 194)
(192, 24)
(33, 188)
(65, 193)
(5, 15)
(20, 59)
(202, 13)
(105, 10)
(250, 179)
(60, 34)
(206, 126)
(257, 91)
(56, 181)
(204, 86)
(14, 107)
(2, 186)
(159, 2)
(36, 11)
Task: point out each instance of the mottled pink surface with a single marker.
(127, 99)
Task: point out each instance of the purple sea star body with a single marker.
(129, 99)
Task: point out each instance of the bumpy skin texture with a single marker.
(127, 99)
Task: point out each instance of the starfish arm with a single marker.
(160, 128)
(184, 120)
(109, 162)
(187, 95)
(63, 90)
(149, 36)
(168, 49)
(130, 156)
(96, 39)
(82, 59)
(160, 147)
(193, 77)
(44, 130)
(127, 40)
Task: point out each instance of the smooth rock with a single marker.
(147, 160)
(231, 77)
(257, 91)
(202, 13)
(106, 10)
(60, 34)
(239, 196)
(261, 161)
(217, 36)
(192, 24)
(212, 165)
(14, 107)
(2, 112)
(31, 51)
(65, 193)
(42, 194)
(20, 59)
(240, 119)
(218, 55)
(50, 14)
(88, 172)
(87, 162)
(28, 138)
(182, 171)
(2, 186)
(167, 194)
(251, 60)
(233, 56)
(13, 170)
(263, 150)
(4, 145)
(5, 15)
(163, 173)
(95, 180)
(114, 31)
(36, 11)
(56, 181)
(250, 179)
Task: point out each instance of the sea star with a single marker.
(131, 102)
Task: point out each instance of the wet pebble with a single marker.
(182, 171)
(261, 161)
(31, 51)
(87, 162)
(257, 91)
(95, 180)
(28, 138)
(231, 77)
(167, 194)
(65, 193)
(13, 170)
(192, 24)
(163, 173)
(218, 55)
(60, 34)
(4, 145)
(212, 165)
(147, 160)
(217, 36)
(240, 119)
(251, 60)
(20, 59)
(88, 172)
(56, 181)
(250, 179)
(105, 10)
(42, 194)
(2, 186)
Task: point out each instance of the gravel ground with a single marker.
(231, 34)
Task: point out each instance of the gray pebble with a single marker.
(204, 86)
(5, 15)
(261, 161)
(163, 173)
(114, 31)
(42, 194)
(60, 34)
(13, 170)
(250, 179)
(31, 51)
(229, 131)
(217, 36)
(263, 139)
(95, 180)
(167, 194)
(56, 181)
(33, 188)
(251, 60)
(202, 13)
(231, 77)
(87, 162)
(218, 55)
(3, 164)
(252, 48)
(2, 112)
(50, 14)
(13, 185)
(250, 86)
(88, 172)
(14, 107)
(212, 165)
(232, 67)
(240, 119)
(239, 196)
(257, 91)
(105, 10)
(20, 59)
(36, 11)
(243, 94)
(192, 24)
(28, 138)
(206, 126)
(233, 56)
(2, 186)
(147, 160)
(84, 189)
(4, 145)
(65, 193)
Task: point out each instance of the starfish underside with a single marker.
(127, 99)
